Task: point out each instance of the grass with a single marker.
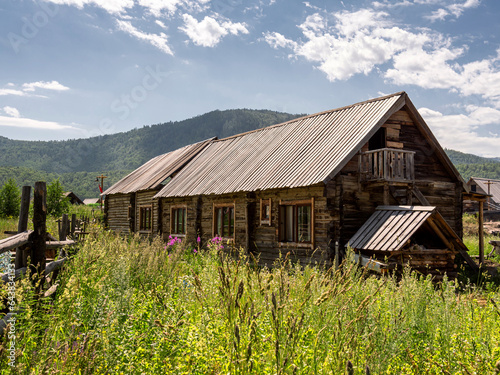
(134, 306)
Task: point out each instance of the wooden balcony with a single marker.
(387, 165)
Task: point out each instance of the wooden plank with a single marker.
(19, 239)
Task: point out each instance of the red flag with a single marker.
(100, 188)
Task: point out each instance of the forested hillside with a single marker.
(470, 165)
(128, 150)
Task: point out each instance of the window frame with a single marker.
(294, 242)
(142, 210)
(173, 230)
(215, 208)
(263, 219)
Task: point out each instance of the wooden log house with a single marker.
(306, 186)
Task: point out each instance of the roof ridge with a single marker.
(313, 115)
(485, 178)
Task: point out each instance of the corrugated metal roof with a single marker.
(494, 189)
(390, 227)
(151, 174)
(300, 152)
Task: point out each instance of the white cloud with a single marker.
(160, 41)
(349, 43)
(11, 111)
(465, 135)
(4, 92)
(52, 85)
(27, 89)
(344, 44)
(111, 6)
(455, 9)
(209, 32)
(277, 40)
(161, 24)
(33, 124)
(168, 7)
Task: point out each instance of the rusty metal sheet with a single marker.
(151, 174)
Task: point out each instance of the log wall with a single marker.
(249, 233)
(117, 212)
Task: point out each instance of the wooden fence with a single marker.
(39, 245)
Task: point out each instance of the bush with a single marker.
(10, 199)
(57, 203)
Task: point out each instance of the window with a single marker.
(178, 218)
(224, 220)
(473, 188)
(296, 221)
(378, 140)
(265, 211)
(145, 218)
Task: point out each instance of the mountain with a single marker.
(128, 150)
(470, 165)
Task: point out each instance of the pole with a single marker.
(102, 177)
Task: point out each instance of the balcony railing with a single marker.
(387, 164)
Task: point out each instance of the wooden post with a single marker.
(37, 250)
(386, 195)
(73, 225)
(23, 225)
(409, 195)
(63, 233)
(481, 235)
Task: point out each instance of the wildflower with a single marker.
(198, 239)
(195, 251)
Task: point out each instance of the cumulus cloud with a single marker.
(349, 43)
(345, 44)
(209, 31)
(11, 111)
(466, 129)
(160, 41)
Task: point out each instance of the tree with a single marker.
(10, 199)
(57, 203)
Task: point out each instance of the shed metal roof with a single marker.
(390, 227)
(300, 152)
(151, 174)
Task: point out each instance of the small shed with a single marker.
(91, 201)
(418, 236)
(484, 186)
(73, 199)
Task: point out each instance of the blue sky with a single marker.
(81, 68)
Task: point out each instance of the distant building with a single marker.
(73, 198)
(486, 186)
(91, 201)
